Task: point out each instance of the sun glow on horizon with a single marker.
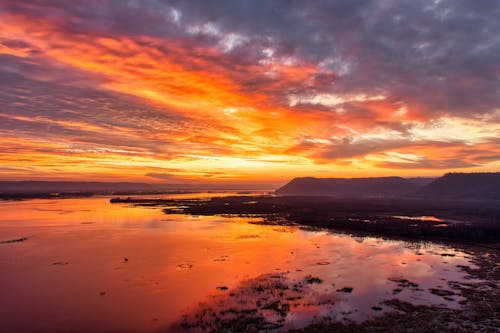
(189, 99)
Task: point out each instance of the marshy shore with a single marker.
(470, 226)
(449, 221)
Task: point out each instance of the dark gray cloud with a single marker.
(433, 57)
(439, 56)
(81, 116)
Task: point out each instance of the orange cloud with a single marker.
(237, 117)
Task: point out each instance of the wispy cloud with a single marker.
(127, 90)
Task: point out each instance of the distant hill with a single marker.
(421, 181)
(464, 186)
(30, 187)
(78, 187)
(349, 187)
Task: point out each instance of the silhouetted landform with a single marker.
(349, 187)
(464, 221)
(12, 190)
(77, 187)
(453, 186)
(24, 196)
(85, 187)
(421, 181)
(464, 186)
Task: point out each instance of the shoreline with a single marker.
(463, 222)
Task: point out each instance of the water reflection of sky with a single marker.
(176, 261)
(419, 218)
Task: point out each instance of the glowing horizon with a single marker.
(192, 91)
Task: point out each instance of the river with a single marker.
(87, 265)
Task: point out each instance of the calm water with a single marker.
(88, 265)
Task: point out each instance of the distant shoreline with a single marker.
(69, 195)
(455, 221)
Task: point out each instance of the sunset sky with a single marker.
(235, 91)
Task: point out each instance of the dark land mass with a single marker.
(463, 221)
(454, 186)
(67, 195)
(33, 187)
(451, 186)
(17, 190)
(421, 181)
(25, 196)
(349, 187)
(464, 186)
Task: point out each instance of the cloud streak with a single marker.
(240, 89)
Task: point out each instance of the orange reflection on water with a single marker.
(95, 266)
